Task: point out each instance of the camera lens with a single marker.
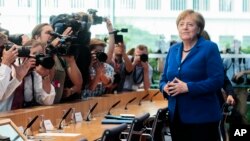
(23, 51)
(101, 56)
(144, 57)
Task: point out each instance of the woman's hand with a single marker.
(176, 87)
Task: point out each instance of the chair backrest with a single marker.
(160, 122)
(137, 126)
(113, 134)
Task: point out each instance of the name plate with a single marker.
(78, 117)
(48, 125)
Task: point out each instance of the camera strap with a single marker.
(33, 101)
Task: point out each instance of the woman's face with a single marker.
(39, 69)
(36, 50)
(188, 29)
(45, 34)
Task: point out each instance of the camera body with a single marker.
(96, 19)
(101, 56)
(144, 57)
(46, 60)
(119, 38)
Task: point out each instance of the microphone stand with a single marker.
(113, 107)
(90, 111)
(154, 95)
(143, 98)
(30, 124)
(63, 118)
(130, 101)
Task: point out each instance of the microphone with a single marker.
(130, 101)
(154, 95)
(64, 117)
(90, 111)
(30, 123)
(113, 107)
(143, 98)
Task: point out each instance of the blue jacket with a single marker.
(202, 70)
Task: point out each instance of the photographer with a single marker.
(64, 65)
(118, 59)
(38, 89)
(237, 70)
(7, 57)
(141, 76)
(11, 76)
(101, 73)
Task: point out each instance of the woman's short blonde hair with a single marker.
(199, 19)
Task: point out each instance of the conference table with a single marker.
(144, 101)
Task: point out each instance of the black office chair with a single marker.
(113, 134)
(157, 128)
(137, 127)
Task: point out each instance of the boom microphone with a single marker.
(90, 111)
(154, 95)
(64, 117)
(30, 123)
(143, 98)
(113, 107)
(130, 101)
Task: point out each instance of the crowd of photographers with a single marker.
(60, 62)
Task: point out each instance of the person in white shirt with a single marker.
(7, 57)
(11, 75)
(38, 89)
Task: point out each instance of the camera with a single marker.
(80, 37)
(144, 57)
(46, 61)
(16, 39)
(23, 51)
(101, 56)
(63, 21)
(119, 38)
(96, 19)
(64, 48)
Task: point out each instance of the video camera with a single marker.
(63, 21)
(119, 38)
(80, 24)
(66, 46)
(45, 60)
(96, 19)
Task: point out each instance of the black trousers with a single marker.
(194, 132)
